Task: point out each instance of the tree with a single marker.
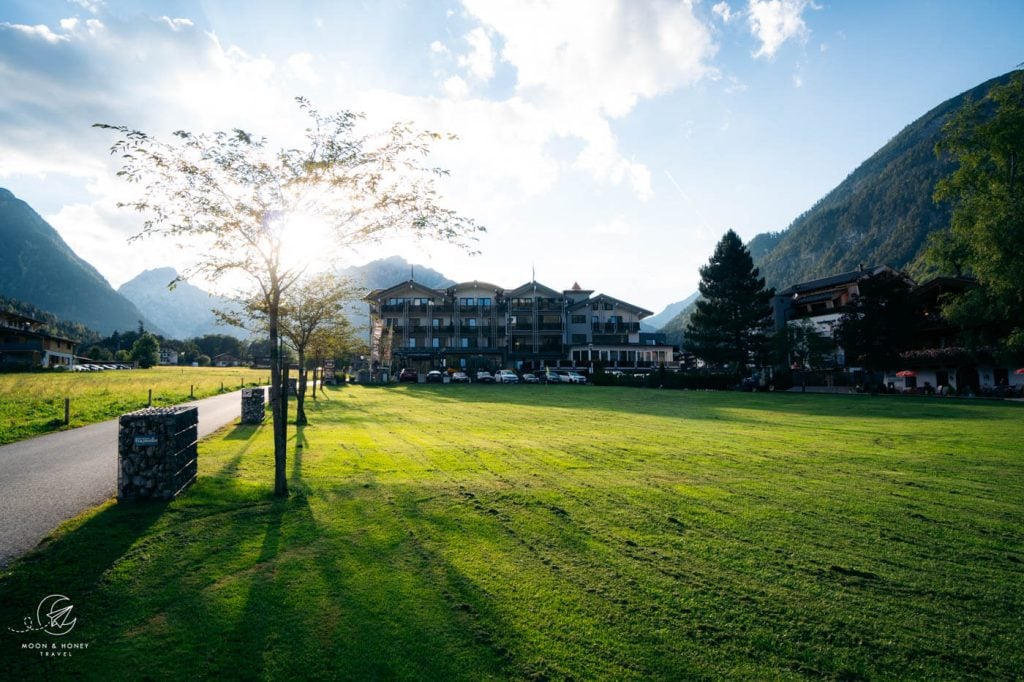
(312, 319)
(227, 192)
(986, 236)
(879, 323)
(730, 321)
(146, 351)
(803, 346)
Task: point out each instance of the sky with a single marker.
(609, 143)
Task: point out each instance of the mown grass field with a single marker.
(32, 403)
(557, 532)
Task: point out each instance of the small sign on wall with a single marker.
(146, 441)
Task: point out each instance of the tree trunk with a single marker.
(300, 398)
(315, 365)
(278, 400)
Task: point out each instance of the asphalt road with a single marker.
(49, 479)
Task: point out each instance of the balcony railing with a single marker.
(616, 327)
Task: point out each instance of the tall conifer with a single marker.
(732, 318)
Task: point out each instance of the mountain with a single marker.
(656, 322)
(387, 272)
(38, 267)
(183, 312)
(882, 213)
(384, 273)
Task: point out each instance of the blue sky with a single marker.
(606, 143)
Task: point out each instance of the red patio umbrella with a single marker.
(906, 373)
(1019, 371)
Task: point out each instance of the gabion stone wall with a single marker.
(157, 452)
(253, 409)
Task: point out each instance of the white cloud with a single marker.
(177, 23)
(480, 59)
(92, 7)
(578, 65)
(456, 88)
(38, 31)
(773, 22)
(723, 11)
(300, 67)
(437, 47)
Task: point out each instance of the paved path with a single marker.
(46, 480)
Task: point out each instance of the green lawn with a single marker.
(555, 532)
(32, 403)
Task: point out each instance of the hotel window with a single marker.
(609, 306)
(436, 322)
(464, 342)
(412, 343)
(467, 301)
(485, 302)
(579, 319)
(471, 323)
(435, 342)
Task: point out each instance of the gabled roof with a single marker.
(604, 298)
(535, 288)
(833, 281)
(475, 285)
(404, 289)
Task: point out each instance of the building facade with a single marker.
(478, 325)
(24, 343)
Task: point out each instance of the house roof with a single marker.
(475, 285)
(402, 289)
(837, 280)
(533, 288)
(605, 298)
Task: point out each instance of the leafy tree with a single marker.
(803, 346)
(730, 320)
(146, 351)
(204, 360)
(312, 321)
(986, 236)
(99, 353)
(879, 322)
(219, 344)
(244, 204)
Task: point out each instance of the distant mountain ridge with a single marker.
(882, 213)
(184, 312)
(387, 272)
(657, 322)
(38, 267)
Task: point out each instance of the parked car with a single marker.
(484, 377)
(530, 378)
(549, 377)
(435, 377)
(460, 378)
(576, 378)
(409, 374)
(506, 376)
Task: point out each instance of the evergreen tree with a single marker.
(732, 317)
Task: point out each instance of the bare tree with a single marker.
(229, 193)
